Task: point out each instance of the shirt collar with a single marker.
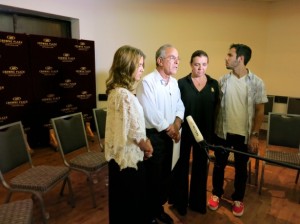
(160, 79)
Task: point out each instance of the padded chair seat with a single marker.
(286, 157)
(39, 178)
(90, 161)
(17, 212)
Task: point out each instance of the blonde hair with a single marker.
(125, 62)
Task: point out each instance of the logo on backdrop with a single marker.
(82, 46)
(13, 71)
(66, 57)
(3, 118)
(83, 71)
(46, 43)
(67, 84)
(50, 98)
(48, 71)
(69, 108)
(11, 41)
(84, 95)
(47, 125)
(87, 117)
(16, 101)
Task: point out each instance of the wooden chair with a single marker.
(71, 136)
(100, 123)
(36, 180)
(283, 130)
(17, 212)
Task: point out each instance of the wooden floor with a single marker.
(278, 203)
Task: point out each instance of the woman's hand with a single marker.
(148, 150)
(146, 147)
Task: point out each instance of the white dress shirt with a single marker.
(161, 102)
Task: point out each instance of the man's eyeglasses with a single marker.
(172, 58)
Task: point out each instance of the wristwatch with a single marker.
(255, 134)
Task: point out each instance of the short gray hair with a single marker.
(161, 52)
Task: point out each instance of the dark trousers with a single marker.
(158, 171)
(127, 189)
(195, 195)
(240, 163)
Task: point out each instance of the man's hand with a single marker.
(253, 144)
(173, 132)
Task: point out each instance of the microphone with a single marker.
(196, 132)
(197, 135)
(199, 138)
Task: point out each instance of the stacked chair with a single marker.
(35, 180)
(283, 131)
(72, 139)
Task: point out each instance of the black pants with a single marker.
(158, 171)
(195, 195)
(240, 163)
(127, 190)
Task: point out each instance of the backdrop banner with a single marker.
(45, 77)
(15, 86)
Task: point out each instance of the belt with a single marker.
(228, 133)
(232, 134)
(153, 131)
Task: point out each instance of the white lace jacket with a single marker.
(124, 123)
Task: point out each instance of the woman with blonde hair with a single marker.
(126, 144)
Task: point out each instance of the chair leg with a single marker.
(90, 183)
(7, 199)
(208, 162)
(45, 214)
(297, 177)
(53, 141)
(61, 193)
(256, 171)
(249, 171)
(262, 177)
(89, 131)
(71, 194)
(296, 181)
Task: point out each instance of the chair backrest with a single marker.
(70, 132)
(293, 106)
(269, 105)
(100, 121)
(13, 147)
(284, 130)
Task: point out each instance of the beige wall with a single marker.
(282, 53)
(270, 29)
